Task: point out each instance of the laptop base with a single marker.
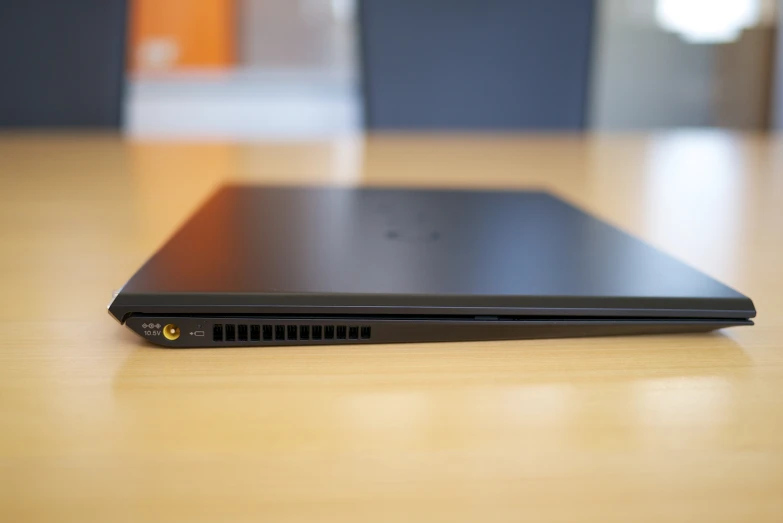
(230, 331)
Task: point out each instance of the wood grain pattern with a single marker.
(97, 426)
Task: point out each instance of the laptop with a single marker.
(311, 266)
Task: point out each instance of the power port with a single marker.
(171, 332)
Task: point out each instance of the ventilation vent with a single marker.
(242, 333)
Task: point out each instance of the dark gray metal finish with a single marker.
(198, 331)
(420, 255)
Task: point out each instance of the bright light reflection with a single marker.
(705, 401)
(707, 21)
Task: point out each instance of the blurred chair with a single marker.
(778, 85)
(475, 64)
(62, 63)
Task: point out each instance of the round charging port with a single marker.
(171, 332)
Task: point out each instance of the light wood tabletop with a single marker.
(96, 425)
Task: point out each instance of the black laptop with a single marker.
(309, 266)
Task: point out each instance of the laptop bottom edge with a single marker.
(226, 331)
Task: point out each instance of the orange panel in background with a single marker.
(182, 34)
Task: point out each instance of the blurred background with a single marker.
(309, 69)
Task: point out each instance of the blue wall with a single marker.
(476, 64)
(62, 62)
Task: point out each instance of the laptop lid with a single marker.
(265, 250)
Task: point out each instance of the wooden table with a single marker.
(97, 426)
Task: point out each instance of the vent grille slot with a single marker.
(243, 333)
